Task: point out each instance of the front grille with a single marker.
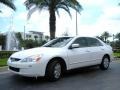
(14, 69)
(14, 59)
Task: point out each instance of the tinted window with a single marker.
(81, 41)
(93, 42)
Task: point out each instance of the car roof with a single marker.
(75, 36)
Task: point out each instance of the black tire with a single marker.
(54, 71)
(105, 63)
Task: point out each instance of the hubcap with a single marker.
(106, 62)
(57, 70)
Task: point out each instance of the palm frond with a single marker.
(33, 5)
(64, 7)
(30, 3)
(43, 4)
(8, 3)
(57, 12)
(74, 4)
(31, 12)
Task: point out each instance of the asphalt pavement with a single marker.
(91, 78)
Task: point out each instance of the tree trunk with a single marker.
(105, 39)
(52, 23)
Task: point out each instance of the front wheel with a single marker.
(54, 71)
(105, 63)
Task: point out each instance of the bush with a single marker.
(116, 55)
(6, 54)
(116, 50)
(32, 43)
(3, 62)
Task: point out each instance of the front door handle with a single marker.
(87, 51)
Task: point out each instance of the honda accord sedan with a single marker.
(60, 55)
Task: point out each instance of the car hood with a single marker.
(34, 51)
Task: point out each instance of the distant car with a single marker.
(59, 55)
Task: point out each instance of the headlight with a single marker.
(35, 58)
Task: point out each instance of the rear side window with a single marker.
(81, 41)
(93, 42)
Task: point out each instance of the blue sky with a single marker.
(98, 16)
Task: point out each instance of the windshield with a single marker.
(59, 42)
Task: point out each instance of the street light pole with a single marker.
(24, 32)
(113, 41)
(76, 25)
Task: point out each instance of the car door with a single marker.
(95, 49)
(78, 56)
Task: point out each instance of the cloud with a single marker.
(109, 21)
(112, 13)
(6, 12)
(92, 2)
(39, 21)
(22, 16)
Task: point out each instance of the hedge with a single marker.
(6, 54)
(116, 50)
(117, 55)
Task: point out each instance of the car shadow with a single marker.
(28, 80)
(86, 72)
(82, 71)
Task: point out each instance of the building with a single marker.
(34, 35)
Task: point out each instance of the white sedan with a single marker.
(59, 55)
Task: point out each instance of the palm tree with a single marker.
(52, 6)
(100, 37)
(106, 35)
(8, 3)
(117, 36)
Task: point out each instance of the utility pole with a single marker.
(24, 32)
(76, 25)
(113, 41)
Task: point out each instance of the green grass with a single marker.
(3, 62)
(116, 54)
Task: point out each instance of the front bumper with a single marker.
(27, 69)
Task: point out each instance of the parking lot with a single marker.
(91, 78)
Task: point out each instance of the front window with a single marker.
(81, 41)
(59, 42)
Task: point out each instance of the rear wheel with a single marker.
(53, 72)
(105, 63)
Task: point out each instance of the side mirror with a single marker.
(74, 46)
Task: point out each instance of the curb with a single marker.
(116, 58)
(4, 68)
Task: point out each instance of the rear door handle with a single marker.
(102, 49)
